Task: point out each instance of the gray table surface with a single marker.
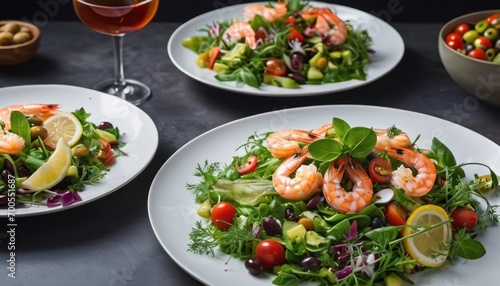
(110, 241)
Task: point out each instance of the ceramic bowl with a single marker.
(478, 77)
(17, 53)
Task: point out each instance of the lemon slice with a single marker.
(52, 171)
(63, 125)
(429, 248)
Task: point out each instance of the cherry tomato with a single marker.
(248, 167)
(380, 170)
(453, 37)
(276, 67)
(223, 214)
(477, 53)
(213, 54)
(270, 253)
(493, 17)
(463, 218)
(456, 44)
(482, 42)
(462, 29)
(396, 214)
(295, 35)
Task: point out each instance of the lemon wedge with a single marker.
(63, 125)
(52, 171)
(429, 248)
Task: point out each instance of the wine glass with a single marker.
(118, 18)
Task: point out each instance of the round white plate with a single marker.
(172, 210)
(387, 44)
(138, 132)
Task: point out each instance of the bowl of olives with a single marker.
(18, 42)
(469, 47)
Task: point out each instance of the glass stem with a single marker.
(120, 83)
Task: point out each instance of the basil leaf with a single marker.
(361, 141)
(325, 149)
(249, 78)
(341, 127)
(20, 125)
(471, 249)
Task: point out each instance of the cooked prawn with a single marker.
(304, 184)
(270, 14)
(41, 110)
(327, 24)
(10, 143)
(285, 143)
(386, 139)
(240, 30)
(323, 129)
(340, 199)
(403, 178)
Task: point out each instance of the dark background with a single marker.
(41, 11)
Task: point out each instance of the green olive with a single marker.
(321, 63)
(11, 27)
(25, 29)
(6, 38)
(21, 37)
(38, 131)
(35, 121)
(80, 151)
(470, 36)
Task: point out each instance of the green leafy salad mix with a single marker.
(244, 213)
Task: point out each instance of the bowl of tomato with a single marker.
(469, 47)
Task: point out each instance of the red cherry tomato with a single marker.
(276, 67)
(477, 53)
(261, 33)
(456, 44)
(493, 17)
(482, 42)
(463, 218)
(462, 29)
(223, 214)
(396, 214)
(248, 167)
(270, 253)
(380, 170)
(453, 37)
(295, 35)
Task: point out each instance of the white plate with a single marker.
(139, 134)
(172, 210)
(387, 43)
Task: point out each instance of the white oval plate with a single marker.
(139, 134)
(172, 210)
(387, 44)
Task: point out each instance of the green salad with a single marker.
(342, 205)
(285, 44)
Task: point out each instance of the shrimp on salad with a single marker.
(307, 180)
(10, 143)
(41, 110)
(327, 24)
(238, 31)
(335, 194)
(414, 186)
(270, 14)
(391, 138)
(285, 143)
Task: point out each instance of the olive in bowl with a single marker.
(478, 76)
(19, 42)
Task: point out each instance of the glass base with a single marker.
(133, 91)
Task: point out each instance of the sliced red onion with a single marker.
(63, 198)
